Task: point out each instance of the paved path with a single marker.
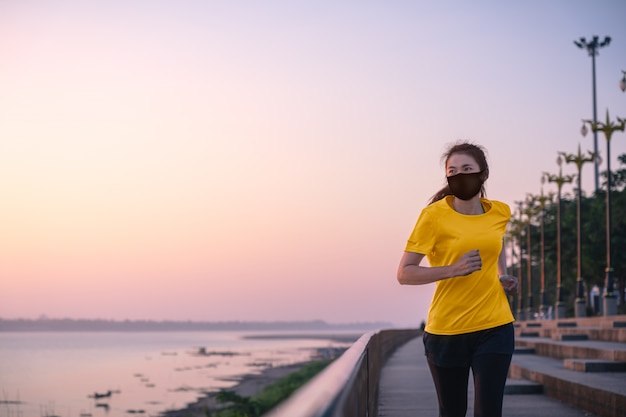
(406, 389)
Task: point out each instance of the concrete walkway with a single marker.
(406, 389)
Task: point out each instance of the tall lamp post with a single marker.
(520, 297)
(542, 199)
(510, 238)
(529, 211)
(560, 180)
(609, 296)
(580, 307)
(592, 48)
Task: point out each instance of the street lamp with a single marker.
(579, 160)
(529, 211)
(584, 130)
(559, 180)
(520, 297)
(511, 238)
(622, 83)
(608, 127)
(542, 199)
(592, 48)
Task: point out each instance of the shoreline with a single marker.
(247, 385)
(250, 384)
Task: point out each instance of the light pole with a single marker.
(530, 210)
(559, 180)
(509, 238)
(592, 48)
(542, 199)
(520, 297)
(609, 296)
(580, 160)
(622, 83)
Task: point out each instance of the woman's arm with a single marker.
(411, 273)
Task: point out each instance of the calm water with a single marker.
(57, 373)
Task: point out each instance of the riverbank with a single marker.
(253, 383)
(247, 386)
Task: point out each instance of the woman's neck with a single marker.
(469, 207)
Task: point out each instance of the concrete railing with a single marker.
(349, 385)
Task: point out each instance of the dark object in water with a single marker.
(105, 395)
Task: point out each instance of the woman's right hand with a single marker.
(468, 263)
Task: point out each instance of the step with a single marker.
(609, 329)
(521, 350)
(603, 394)
(594, 365)
(572, 336)
(617, 334)
(580, 349)
(516, 386)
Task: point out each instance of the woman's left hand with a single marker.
(509, 283)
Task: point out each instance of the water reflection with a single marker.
(121, 374)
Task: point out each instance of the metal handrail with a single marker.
(349, 385)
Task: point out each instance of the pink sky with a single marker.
(243, 161)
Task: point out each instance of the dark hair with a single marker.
(476, 152)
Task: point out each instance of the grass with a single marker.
(269, 397)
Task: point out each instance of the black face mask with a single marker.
(465, 186)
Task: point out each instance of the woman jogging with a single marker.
(470, 324)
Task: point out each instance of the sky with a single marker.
(267, 160)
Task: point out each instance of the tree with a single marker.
(593, 241)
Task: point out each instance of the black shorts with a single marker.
(451, 351)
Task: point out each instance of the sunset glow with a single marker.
(203, 160)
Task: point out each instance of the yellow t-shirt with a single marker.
(476, 301)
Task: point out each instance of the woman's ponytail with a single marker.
(440, 195)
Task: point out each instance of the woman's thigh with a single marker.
(451, 387)
(490, 373)
(490, 366)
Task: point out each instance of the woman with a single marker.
(470, 324)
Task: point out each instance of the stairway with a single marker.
(581, 362)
